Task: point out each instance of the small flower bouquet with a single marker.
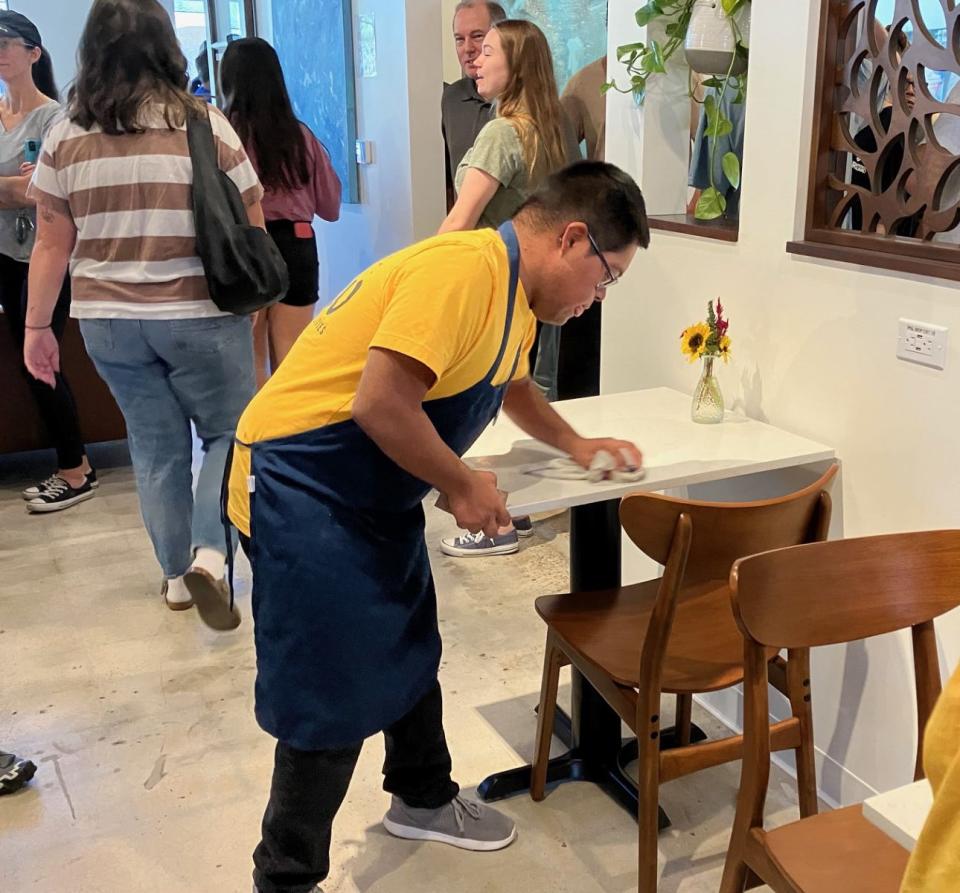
(707, 339)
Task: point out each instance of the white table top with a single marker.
(900, 813)
(676, 451)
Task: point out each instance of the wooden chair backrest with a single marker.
(829, 593)
(726, 531)
(845, 590)
(699, 541)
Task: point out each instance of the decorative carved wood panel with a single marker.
(885, 166)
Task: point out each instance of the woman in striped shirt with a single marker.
(114, 195)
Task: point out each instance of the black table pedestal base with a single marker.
(576, 766)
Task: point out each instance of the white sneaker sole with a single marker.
(457, 552)
(27, 495)
(41, 508)
(408, 832)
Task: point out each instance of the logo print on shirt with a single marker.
(343, 298)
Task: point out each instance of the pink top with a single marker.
(320, 196)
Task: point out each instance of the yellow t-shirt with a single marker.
(442, 302)
(934, 866)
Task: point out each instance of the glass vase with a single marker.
(707, 407)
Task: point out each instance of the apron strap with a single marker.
(509, 236)
(225, 519)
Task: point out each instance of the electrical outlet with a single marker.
(922, 342)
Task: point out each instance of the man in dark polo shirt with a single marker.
(463, 110)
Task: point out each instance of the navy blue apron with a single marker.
(344, 605)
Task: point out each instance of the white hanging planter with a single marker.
(711, 42)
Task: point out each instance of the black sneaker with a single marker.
(34, 492)
(14, 772)
(60, 495)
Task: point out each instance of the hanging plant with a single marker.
(644, 61)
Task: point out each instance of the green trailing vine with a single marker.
(645, 61)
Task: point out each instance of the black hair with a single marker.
(497, 13)
(43, 77)
(128, 55)
(258, 106)
(598, 194)
(203, 65)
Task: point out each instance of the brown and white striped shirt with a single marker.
(131, 198)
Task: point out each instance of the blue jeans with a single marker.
(165, 374)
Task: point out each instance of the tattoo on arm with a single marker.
(47, 215)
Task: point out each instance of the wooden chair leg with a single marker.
(648, 798)
(735, 872)
(684, 719)
(552, 661)
(798, 683)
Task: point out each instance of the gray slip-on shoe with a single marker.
(461, 823)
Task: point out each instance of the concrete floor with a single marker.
(153, 773)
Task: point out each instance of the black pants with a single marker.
(308, 788)
(578, 371)
(56, 406)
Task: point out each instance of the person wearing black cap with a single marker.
(27, 112)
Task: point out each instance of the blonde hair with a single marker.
(530, 101)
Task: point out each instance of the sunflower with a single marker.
(693, 341)
(725, 348)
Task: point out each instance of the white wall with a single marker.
(402, 192)
(60, 23)
(451, 65)
(814, 346)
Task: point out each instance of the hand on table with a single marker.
(624, 453)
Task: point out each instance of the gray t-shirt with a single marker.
(33, 127)
(499, 153)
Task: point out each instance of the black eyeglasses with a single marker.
(611, 277)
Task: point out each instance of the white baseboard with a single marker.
(836, 785)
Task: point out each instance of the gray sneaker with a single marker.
(461, 823)
(476, 545)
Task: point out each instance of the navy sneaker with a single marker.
(14, 772)
(34, 492)
(476, 545)
(523, 526)
(59, 495)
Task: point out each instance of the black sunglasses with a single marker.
(611, 278)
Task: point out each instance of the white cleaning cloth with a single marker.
(603, 468)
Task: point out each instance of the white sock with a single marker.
(177, 592)
(209, 560)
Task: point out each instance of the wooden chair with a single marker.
(677, 635)
(825, 594)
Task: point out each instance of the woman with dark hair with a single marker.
(299, 181)
(27, 112)
(114, 190)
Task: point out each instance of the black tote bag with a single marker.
(244, 268)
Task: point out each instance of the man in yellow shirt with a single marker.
(934, 866)
(376, 403)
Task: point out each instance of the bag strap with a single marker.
(203, 146)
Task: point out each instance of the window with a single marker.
(884, 186)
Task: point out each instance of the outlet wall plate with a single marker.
(922, 342)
